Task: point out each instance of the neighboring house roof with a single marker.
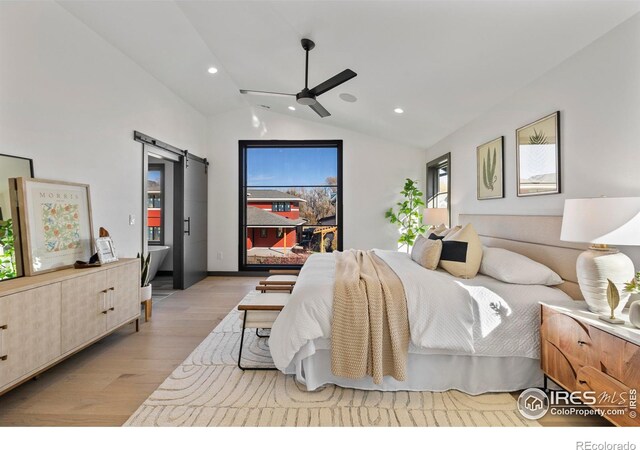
(269, 195)
(257, 217)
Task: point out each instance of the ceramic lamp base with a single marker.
(594, 267)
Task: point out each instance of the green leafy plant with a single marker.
(144, 269)
(8, 268)
(489, 176)
(538, 138)
(634, 285)
(408, 216)
(613, 297)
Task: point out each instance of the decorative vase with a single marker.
(634, 314)
(145, 293)
(594, 267)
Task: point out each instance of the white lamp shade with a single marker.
(435, 216)
(611, 221)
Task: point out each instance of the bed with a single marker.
(478, 335)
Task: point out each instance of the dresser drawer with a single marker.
(570, 338)
(610, 393)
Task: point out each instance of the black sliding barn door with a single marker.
(190, 221)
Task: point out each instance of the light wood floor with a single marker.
(105, 383)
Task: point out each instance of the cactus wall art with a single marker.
(491, 169)
(538, 157)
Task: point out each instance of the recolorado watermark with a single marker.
(589, 445)
(535, 403)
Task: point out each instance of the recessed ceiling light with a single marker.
(292, 108)
(348, 97)
(398, 110)
(212, 70)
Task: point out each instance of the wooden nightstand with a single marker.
(581, 353)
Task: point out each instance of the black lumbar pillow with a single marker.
(451, 250)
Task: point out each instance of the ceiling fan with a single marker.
(308, 96)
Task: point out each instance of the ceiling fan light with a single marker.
(307, 101)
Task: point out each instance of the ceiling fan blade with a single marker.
(272, 94)
(332, 82)
(319, 109)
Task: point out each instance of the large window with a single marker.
(290, 202)
(155, 204)
(439, 183)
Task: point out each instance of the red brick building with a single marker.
(273, 219)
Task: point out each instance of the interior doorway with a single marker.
(174, 215)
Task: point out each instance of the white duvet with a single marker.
(481, 316)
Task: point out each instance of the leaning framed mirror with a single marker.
(10, 167)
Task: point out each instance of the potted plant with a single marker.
(409, 214)
(145, 286)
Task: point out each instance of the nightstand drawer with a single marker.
(618, 358)
(568, 336)
(610, 393)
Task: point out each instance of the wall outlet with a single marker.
(220, 256)
(132, 219)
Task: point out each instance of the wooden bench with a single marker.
(260, 310)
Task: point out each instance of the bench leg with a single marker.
(244, 322)
(262, 335)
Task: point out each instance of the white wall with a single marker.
(597, 92)
(71, 101)
(374, 172)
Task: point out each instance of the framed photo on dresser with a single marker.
(490, 169)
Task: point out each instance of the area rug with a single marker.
(208, 389)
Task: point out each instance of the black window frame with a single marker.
(433, 180)
(153, 167)
(243, 145)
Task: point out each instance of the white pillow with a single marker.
(515, 268)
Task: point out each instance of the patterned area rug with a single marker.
(208, 389)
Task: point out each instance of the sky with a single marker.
(291, 166)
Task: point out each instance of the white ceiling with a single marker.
(444, 63)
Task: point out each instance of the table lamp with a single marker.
(602, 222)
(435, 216)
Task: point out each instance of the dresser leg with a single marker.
(137, 325)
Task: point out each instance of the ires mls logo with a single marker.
(533, 403)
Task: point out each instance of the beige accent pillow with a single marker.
(426, 252)
(461, 254)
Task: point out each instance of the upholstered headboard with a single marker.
(537, 237)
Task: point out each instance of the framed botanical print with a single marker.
(538, 157)
(490, 169)
(55, 223)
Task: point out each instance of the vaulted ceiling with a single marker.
(444, 63)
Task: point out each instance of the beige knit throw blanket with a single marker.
(369, 327)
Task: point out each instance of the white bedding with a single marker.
(448, 315)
